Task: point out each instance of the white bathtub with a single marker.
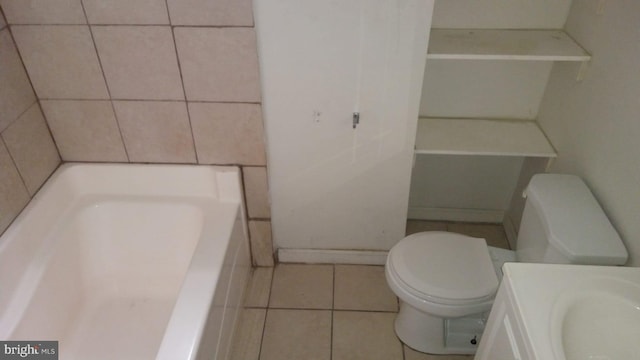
(128, 262)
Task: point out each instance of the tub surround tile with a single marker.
(416, 226)
(302, 287)
(365, 335)
(359, 287)
(219, 64)
(85, 130)
(61, 61)
(156, 131)
(32, 148)
(228, 133)
(493, 233)
(139, 62)
(246, 345)
(13, 193)
(297, 334)
(133, 12)
(43, 11)
(256, 191)
(410, 354)
(261, 243)
(16, 94)
(259, 288)
(211, 12)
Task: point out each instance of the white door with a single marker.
(333, 186)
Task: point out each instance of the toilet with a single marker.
(446, 282)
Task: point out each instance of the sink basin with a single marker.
(598, 319)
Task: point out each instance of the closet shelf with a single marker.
(532, 45)
(482, 137)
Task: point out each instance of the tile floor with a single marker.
(337, 312)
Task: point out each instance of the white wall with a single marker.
(332, 186)
(595, 124)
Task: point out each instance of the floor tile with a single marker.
(416, 226)
(359, 287)
(410, 354)
(365, 335)
(297, 334)
(493, 233)
(259, 287)
(302, 287)
(248, 338)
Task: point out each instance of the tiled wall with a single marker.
(28, 154)
(160, 81)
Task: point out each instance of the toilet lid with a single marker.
(445, 265)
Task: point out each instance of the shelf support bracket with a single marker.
(582, 72)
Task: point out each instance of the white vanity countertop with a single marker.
(541, 292)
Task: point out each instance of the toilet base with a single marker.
(435, 335)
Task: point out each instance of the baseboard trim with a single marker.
(318, 256)
(450, 214)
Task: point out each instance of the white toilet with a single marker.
(446, 282)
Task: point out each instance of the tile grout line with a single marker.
(266, 312)
(35, 94)
(106, 83)
(184, 90)
(333, 305)
(159, 100)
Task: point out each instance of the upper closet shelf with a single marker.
(535, 45)
(482, 137)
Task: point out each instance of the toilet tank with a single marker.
(563, 223)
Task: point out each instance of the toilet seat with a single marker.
(444, 268)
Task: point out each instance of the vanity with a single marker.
(564, 312)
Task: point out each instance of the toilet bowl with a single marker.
(446, 282)
(462, 285)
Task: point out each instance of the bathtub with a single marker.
(128, 262)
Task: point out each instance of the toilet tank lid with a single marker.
(574, 220)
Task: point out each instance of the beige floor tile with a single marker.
(302, 287)
(259, 287)
(493, 233)
(297, 334)
(248, 338)
(410, 354)
(415, 226)
(365, 335)
(359, 287)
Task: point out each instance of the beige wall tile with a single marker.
(31, 147)
(365, 335)
(228, 133)
(16, 94)
(211, 12)
(302, 287)
(133, 12)
(139, 62)
(219, 64)
(256, 191)
(156, 131)
(43, 11)
(297, 334)
(360, 287)
(13, 194)
(246, 343)
(259, 287)
(61, 61)
(261, 243)
(85, 130)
